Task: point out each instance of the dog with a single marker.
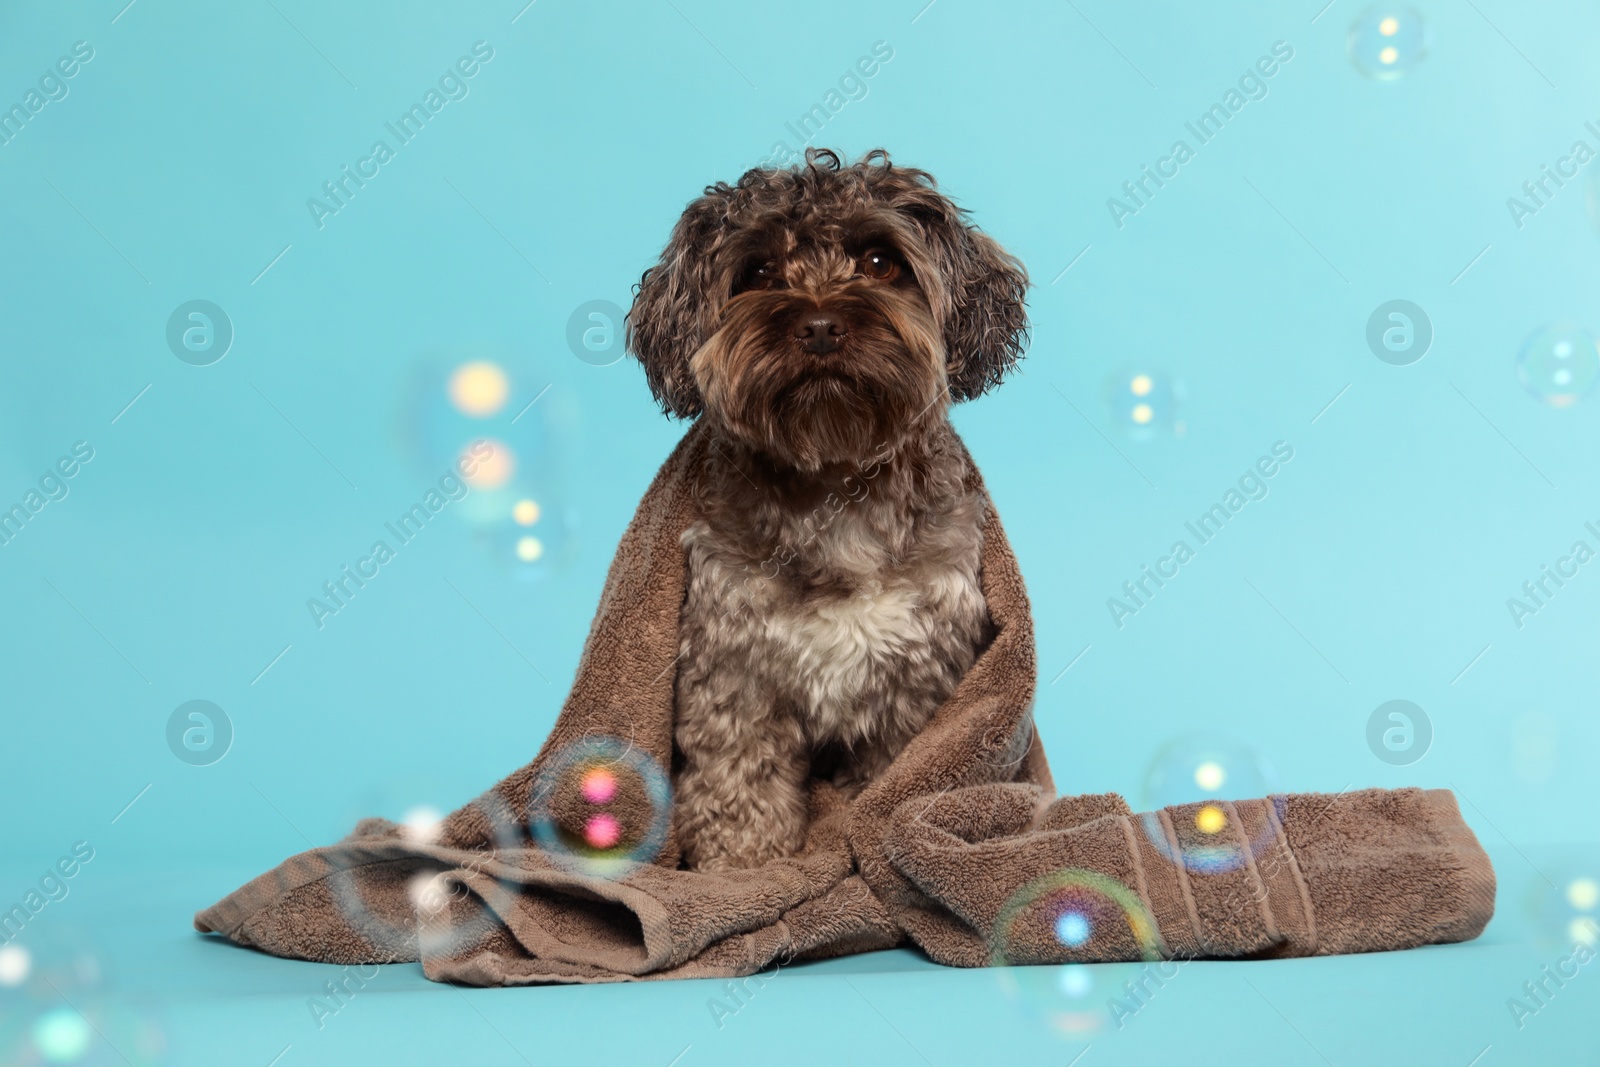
(822, 318)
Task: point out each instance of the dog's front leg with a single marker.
(740, 795)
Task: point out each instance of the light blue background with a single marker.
(179, 166)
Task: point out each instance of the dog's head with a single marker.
(820, 312)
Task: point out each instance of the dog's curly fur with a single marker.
(833, 599)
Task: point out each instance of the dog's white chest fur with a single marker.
(858, 645)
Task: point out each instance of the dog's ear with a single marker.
(674, 304)
(982, 289)
(987, 329)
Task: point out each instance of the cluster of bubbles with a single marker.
(57, 1007)
(600, 807)
(515, 504)
(1387, 41)
(1559, 364)
(1143, 402)
(1078, 915)
(1566, 908)
(1196, 776)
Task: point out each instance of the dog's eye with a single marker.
(762, 276)
(878, 265)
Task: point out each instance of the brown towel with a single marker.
(957, 846)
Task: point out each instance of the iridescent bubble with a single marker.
(61, 1036)
(1387, 41)
(1559, 364)
(601, 807)
(525, 512)
(535, 535)
(494, 464)
(1073, 929)
(1566, 908)
(421, 824)
(1143, 401)
(602, 832)
(1070, 1000)
(599, 786)
(471, 418)
(1210, 819)
(1078, 915)
(1052, 918)
(1200, 767)
(1190, 781)
(427, 891)
(479, 388)
(15, 963)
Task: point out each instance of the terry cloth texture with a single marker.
(959, 846)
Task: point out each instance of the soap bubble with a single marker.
(61, 1035)
(383, 902)
(1073, 1000)
(508, 437)
(533, 534)
(1387, 41)
(421, 824)
(1202, 767)
(1143, 401)
(479, 388)
(1077, 915)
(1073, 915)
(1192, 780)
(15, 963)
(1566, 908)
(1559, 364)
(601, 807)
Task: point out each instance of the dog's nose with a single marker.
(820, 332)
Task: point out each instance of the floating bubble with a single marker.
(15, 963)
(1071, 1000)
(599, 786)
(1142, 401)
(61, 1036)
(422, 824)
(427, 892)
(1210, 819)
(472, 415)
(1073, 914)
(1051, 918)
(602, 831)
(479, 388)
(534, 536)
(1073, 929)
(1559, 364)
(368, 903)
(1566, 908)
(492, 464)
(1193, 777)
(601, 807)
(1201, 767)
(1387, 41)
